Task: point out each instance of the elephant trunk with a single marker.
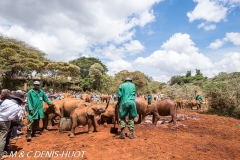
(107, 104)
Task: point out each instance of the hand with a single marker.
(31, 112)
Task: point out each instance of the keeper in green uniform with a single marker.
(35, 98)
(199, 98)
(149, 98)
(126, 99)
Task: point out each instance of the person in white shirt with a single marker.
(9, 109)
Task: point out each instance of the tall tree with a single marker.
(16, 62)
(189, 74)
(84, 63)
(96, 71)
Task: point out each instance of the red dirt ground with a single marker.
(210, 137)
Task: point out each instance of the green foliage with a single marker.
(198, 79)
(84, 63)
(96, 72)
(87, 84)
(185, 91)
(109, 84)
(188, 74)
(144, 83)
(223, 92)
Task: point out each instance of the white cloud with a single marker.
(233, 37)
(134, 47)
(230, 63)
(207, 27)
(208, 10)
(216, 44)
(57, 46)
(61, 28)
(211, 11)
(180, 43)
(118, 52)
(164, 64)
(118, 65)
(178, 55)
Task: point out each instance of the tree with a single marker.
(109, 84)
(188, 74)
(84, 63)
(198, 72)
(57, 73)
(96, 72)
(16, 62)
(144, 83)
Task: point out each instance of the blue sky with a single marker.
(160, 38)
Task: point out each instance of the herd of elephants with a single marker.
(85, 112)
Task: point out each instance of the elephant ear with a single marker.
(91, 111)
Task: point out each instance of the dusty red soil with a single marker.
(197, 136)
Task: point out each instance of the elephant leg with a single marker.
(45, 122)
(153, 118)
(143, 118)
(199, 106)
(139, 118)
(94, 125)
(174, 119)
(90, 122)
(74, 125)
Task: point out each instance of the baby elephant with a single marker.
(163, 108)
(85, 114)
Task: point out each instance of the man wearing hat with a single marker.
(127, 106)
(35, 98)
(8, 111)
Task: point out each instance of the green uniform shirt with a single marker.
(126, 95)
(58, 98)
(35, 103)
(149, 99)
(199, 98)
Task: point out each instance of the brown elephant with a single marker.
(86, 114)
(65, 95)
(163, 108)
(86, 97)
(69, 106)
(104, 97)
(195, 103)
(56, 109)
(108, 116)
(179, 102)
(141, 105)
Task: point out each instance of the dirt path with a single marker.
(197, 136)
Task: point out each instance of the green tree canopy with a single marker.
(96, 71)
(84, 63)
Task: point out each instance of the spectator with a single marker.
(8, 111)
